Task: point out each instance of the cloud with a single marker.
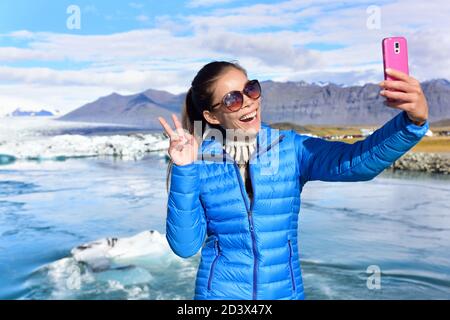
(271, 40)
(64, 99)
(136, 5)
(207, 3)
(142, 18)
(66, 90)
(20, 34)
(129, 80)
(254, 17)
(268, 48)
(12, 54)
(90, 9)
(151, 44)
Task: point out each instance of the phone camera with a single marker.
(396, 47)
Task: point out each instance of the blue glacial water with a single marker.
(399, 222)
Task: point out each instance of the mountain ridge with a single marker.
(297, 102)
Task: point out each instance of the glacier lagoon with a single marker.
(92, 227)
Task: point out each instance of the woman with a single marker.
(231, 193)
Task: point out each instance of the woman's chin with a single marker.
(252, 126)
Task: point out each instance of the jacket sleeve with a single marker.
(363, 160)
(186, 223)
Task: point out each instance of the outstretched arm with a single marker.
(339, 161)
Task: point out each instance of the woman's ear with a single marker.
(210, 117)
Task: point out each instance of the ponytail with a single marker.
(190, 113)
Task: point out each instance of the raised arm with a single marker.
(186, 222)
(324, 160)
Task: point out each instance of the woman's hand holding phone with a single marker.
(401, 90)
(405, 93)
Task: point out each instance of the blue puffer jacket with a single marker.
(251, 249)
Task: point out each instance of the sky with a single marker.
(63, 54)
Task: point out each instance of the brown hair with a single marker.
(199, 98)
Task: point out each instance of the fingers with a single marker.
(167, 128)
(178, 126)
(178, 146)
(395, 95)
(405, 94)
(398, 105)
(401, 91)
(401, 76)
(397, 86)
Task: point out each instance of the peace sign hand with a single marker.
(183, 148)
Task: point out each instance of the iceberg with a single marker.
(123, 253)
(6, 159)
(131, 146)
(45, 139)
(141, 266)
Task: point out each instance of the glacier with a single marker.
(40, 139)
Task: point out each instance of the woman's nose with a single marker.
(248, 102)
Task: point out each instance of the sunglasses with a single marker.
(234, 100)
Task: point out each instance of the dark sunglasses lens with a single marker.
(253, 89)
(233, 100)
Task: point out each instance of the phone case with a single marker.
(395, 55)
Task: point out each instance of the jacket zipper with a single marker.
(250, 210)
(213, 265)
(290, 264)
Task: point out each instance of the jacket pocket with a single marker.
(291, 254)
(217, 252)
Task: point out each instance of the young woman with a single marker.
(231, 193)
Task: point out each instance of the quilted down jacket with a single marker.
(251, 249)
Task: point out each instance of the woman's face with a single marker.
(232, 80)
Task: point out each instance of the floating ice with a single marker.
(41, 139)
(122, 252)
(138, 267)
(6, 159)
(132, 146)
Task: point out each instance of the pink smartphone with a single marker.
(395, 55)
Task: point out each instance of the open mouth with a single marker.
(249, 116)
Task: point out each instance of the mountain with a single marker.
(295, 102)
(20, 112)
(340, 105)
(141, 109)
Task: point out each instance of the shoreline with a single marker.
(424, 162)
(430, 155)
